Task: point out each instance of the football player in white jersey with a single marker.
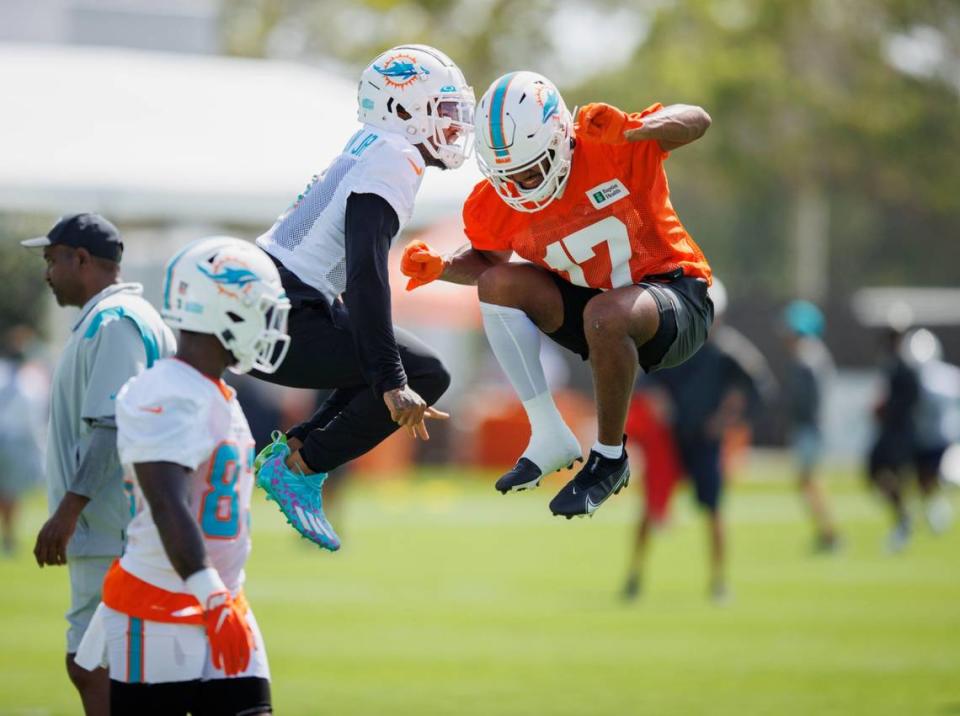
(331, 248)
(174, 627)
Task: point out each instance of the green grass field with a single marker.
(451, 599)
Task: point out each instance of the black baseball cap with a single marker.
(88, 231)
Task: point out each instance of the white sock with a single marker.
(611, 452)
(515, 341)
(552, 444)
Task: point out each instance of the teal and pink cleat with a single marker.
(298, 496)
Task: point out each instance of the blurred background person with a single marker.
(809, 372)
(891, 457)
(649, 424)
(712, 393)
(936, 418)
(20, 434)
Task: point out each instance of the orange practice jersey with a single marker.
(613, 225)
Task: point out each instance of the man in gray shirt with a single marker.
(117, 336)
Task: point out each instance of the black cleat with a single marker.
(524, 476)
(599, 478)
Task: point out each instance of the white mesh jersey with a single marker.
(308, 238)
(174, 413)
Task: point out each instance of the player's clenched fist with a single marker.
(601, 122)
(229, 634)
(421, 264)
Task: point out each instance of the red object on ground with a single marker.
(499, 429)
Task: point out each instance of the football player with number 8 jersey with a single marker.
(174, 627)
(610, 272)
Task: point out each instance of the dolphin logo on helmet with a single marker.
(231, 276)
(401, 70)
(250, 321)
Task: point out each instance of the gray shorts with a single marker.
(86, 581)
(807, 445)
(686, 303)
(686, 314)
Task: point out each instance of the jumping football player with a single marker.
(331, 248)
(174, 626)
(612, 274)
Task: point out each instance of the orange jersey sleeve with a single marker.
(478, 210)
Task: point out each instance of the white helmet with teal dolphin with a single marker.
(230, 289)
(417, 91)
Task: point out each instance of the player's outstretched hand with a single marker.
(420, 264)
(600, 122)
(409, 410)
(420, 429)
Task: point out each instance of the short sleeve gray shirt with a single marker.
(118, 336)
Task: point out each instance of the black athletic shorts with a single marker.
(892, 452)
(701, 462)
(927, 460)
(686, 314)
(217, 697)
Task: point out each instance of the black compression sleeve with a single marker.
(370, 225)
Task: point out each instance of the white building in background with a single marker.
(167, 133)
(151, 137)
(174, 146)
(125, 107)
(188, 26)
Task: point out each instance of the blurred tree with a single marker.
(24, 297)
(482, 36)
(820, 129)
(833, 157)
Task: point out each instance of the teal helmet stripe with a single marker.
(169, 275)
(497, 139)
(150, 345)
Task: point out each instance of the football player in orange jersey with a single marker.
(609, 273)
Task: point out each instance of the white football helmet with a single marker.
(523, 123)
(230, 289)
(425, 84)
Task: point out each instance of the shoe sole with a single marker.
(616, 491)
(536, 483)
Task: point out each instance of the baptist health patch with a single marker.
(605, 194)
